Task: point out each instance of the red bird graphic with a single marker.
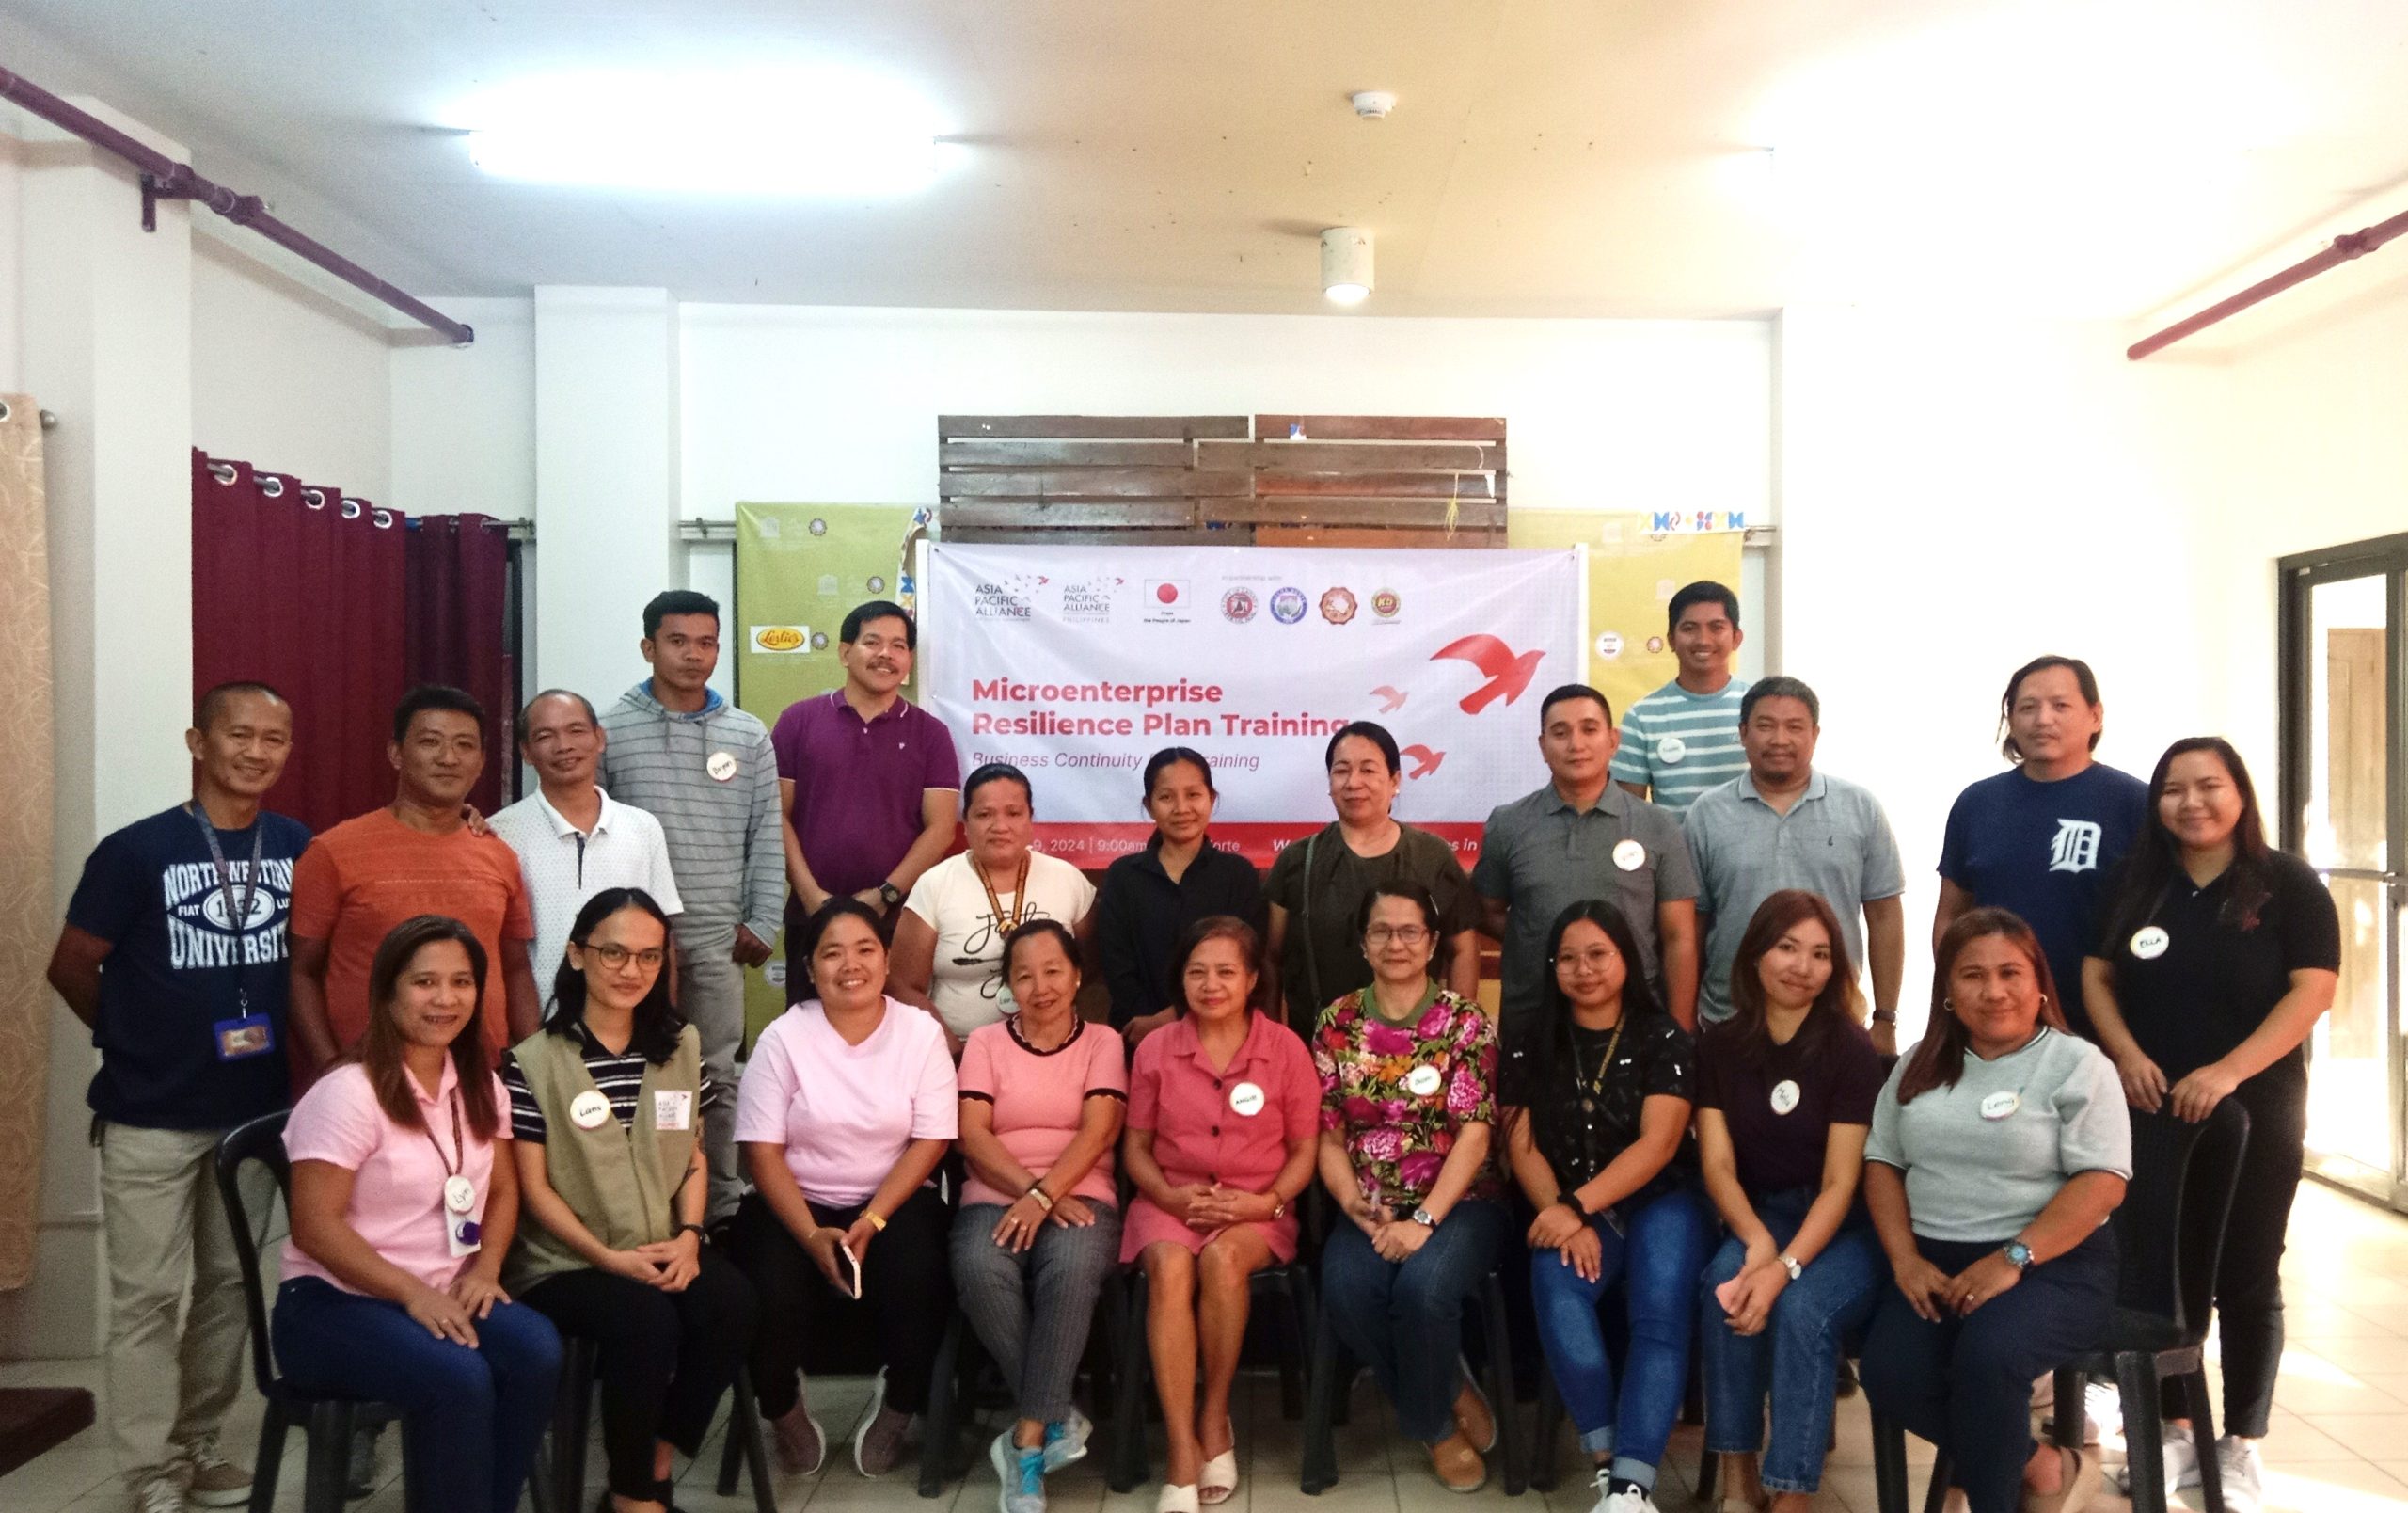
(1425, 761)
(1394, 700)
(1508, 674)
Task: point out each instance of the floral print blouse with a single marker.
(1398, 1094)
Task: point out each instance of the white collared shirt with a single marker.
(565, 867)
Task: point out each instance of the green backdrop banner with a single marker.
(800, 570)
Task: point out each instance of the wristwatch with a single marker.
(1885, 1016)
(1789, 1264)
(2018, 1255)
(889, 894)
(1425, 1219)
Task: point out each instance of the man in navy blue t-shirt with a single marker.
(174, 952)
(2042, 838)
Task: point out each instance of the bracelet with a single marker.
(877, 1221)
(696, 1230)
(1037, 1190)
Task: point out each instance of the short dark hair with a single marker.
(1376, 734)
(1217, 927)
(1573, 691)
(1704, 591)
(1779, 687)
(436, 696)
(2084, 678)
(878, 609)
(1028, 930)
(1405, 888)
(519, 729)
(677, 601)
(206, 710)
(997, 773)
(1171, 756)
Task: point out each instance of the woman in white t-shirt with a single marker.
(950, 938)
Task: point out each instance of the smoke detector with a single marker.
(1373, 104)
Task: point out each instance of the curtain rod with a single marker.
(164, 177)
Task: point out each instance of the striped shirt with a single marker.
(1679, 744)
(620, 1078)
(724, 836)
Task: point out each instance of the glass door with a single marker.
(2344, 654)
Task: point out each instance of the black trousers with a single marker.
(907, 1285)
(665, 1358)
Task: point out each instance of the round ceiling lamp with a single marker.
(1346, 264)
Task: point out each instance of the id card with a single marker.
(672, 1108)
(241, 1039)
(462, 1235)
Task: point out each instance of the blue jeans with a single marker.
(1405, 1319)
(470, 1419)
(1658, 1262)
(1797, 1355)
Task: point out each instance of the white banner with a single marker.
(1076, 663)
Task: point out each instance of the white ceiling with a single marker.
(2068, 157)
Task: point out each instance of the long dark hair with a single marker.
(1939, 1059)
(1743, 1036)
(1218, 927)
(1551, 1055)
(658, 1023)
(379, 1051)
(2148, 870)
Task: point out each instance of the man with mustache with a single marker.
(870, 782)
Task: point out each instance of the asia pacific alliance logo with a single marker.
(2075, 846)
(1237, 606)
(1337, 605)
(1287, 605)
(1005, 598)
(1386, 603)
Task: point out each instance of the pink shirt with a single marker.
(397, 1173)
(843, 1113)
(1039, 1098)
(1201, 1133)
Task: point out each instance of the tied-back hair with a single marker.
(2085, 679)
(2150, 869)
(1744, 1036)
(379, 1052)
(1219, 927)
(1551, 1056)
(658, 1024)
(1939, 1061)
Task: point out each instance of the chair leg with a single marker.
(2144, 1433)
(937, 1431)
(1545, 1422)
(2068, 1387)
(2203, 1438)
(1500, 1387)
(330, 1457)
(269, 1459)
(572, 1422)
(1333, 1372)
(1889, 1465)
(1935, 1496)
(1299, 1290)
(731, 1452)
(1135, 1372)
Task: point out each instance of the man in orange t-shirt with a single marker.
(366, 875)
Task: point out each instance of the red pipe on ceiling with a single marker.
(166, 178)
(2344, 248)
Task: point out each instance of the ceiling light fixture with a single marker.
(1346, 264)
(763, 132)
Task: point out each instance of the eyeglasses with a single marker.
(1401, 934)
(616, 957)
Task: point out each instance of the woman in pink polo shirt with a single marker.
(400, 1219)
(1224, 1114)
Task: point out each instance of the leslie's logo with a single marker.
(1337, 606)
(780, 638)
(1237, 605)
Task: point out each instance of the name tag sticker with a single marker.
(1999, 1104)
(588, 1109)
(672, 1108)
(1246, 1098)
(1422, 1081)
(241, 1039)
(1670, 750)
(2150, 942)
(1784, 1096)
(721, 766)
(1629, 855)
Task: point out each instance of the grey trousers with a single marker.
(1032, 1309)
(710, 994)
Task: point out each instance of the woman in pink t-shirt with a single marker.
(1042, 1093)
(1224, 1117)
(400, 1219)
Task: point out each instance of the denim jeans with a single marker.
(1797, 1355)
(1405, 1319)
(1658, 1262)
(470, 1419)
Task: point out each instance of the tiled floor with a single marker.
(2340, 1443)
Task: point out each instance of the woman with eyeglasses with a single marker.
(606, 1102)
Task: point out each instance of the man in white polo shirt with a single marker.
(572, 838)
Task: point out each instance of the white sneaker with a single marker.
(2181, 1462)
(2242, 1469)
(160, 1494)
(2102, 1413)
(1635, 1500)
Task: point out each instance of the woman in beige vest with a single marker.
(607, 1102)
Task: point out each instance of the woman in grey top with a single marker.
(1998, 1150)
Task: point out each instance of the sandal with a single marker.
(1219, 1479)
(1175, 1500)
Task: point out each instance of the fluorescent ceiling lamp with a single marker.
(760, 132)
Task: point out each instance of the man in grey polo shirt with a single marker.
(1581, 837)
(1782, 824)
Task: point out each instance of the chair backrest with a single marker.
(2171, 1225)
(261, 1141)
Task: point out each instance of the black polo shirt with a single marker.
(1592, 1109)
(1140, 914)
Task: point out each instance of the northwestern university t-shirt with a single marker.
(180, 966)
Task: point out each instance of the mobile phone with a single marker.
(852, 1271)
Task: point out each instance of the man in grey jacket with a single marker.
(705, 769)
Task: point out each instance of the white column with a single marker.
(106, 317)
(606, 427)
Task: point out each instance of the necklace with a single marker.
(1591, 1088)
(1020, 893)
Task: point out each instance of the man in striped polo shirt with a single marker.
(704, 769)
(1684, 738)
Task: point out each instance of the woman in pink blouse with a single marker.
(1224, 1110)
(400, 1219)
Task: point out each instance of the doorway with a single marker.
(2344, 649)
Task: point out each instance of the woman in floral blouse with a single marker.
(1408, 1074)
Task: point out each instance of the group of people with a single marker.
(1681, 1108)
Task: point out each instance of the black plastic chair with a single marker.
(1292, 1285)
(961, 1366)
(327, 1421)
(572, 1422)
(1333, 1370)
(2169, 1232)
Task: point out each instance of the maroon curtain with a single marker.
(457, 607)
(299, 588)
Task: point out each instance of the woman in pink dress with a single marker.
(1224, 1117)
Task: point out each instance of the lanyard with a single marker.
(459, 1158)
(1020, 894)
(238, 912)
(1595, 1085)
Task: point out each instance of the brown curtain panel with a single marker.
(26, 910)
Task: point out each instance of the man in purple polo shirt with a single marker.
(869, 780)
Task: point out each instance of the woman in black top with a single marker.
(1149, 898)
(2218, 957)
(1597, 1134)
